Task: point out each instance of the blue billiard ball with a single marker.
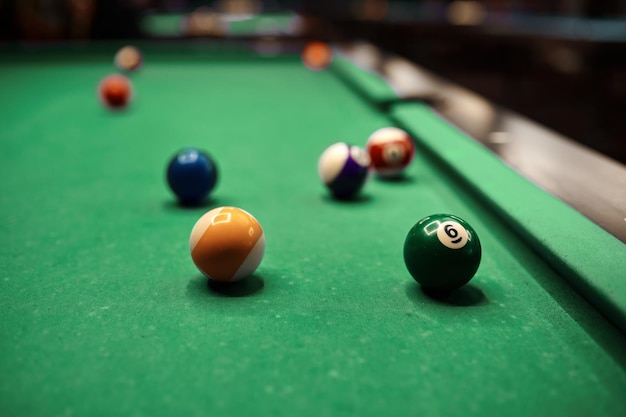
(344, 169)
(191, 175)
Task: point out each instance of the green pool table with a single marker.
(104, 314)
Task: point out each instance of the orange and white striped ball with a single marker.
(391, 150)
(227, 244)
(128, 58)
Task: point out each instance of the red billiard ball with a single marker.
(391, 150)
(115, 91)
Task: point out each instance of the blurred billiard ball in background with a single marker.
(115, 91)
(317, 55)
(391, 150)
(128, 58)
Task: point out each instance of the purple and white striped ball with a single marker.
(344, 169)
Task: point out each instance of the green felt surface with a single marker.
(592, 259)
(162, 24)
(365, 83)
(103, 312)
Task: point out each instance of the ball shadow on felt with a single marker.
(402, 179)
(206, 204)
(468, 295)
(203, 288)
(246, 287)
(357, 199)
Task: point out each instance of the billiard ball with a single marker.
(317, 56)
(442, 252)
(128, 58)
(227, 244)
(191, 174)
(343, 169)
(115, 91)
(391, 150)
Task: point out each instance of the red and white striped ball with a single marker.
(227, 244)
(391, 150)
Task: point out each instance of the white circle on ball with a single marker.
(393, 153)
(452, 235)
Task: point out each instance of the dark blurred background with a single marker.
(561, 63)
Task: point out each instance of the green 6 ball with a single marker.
(442, 252)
